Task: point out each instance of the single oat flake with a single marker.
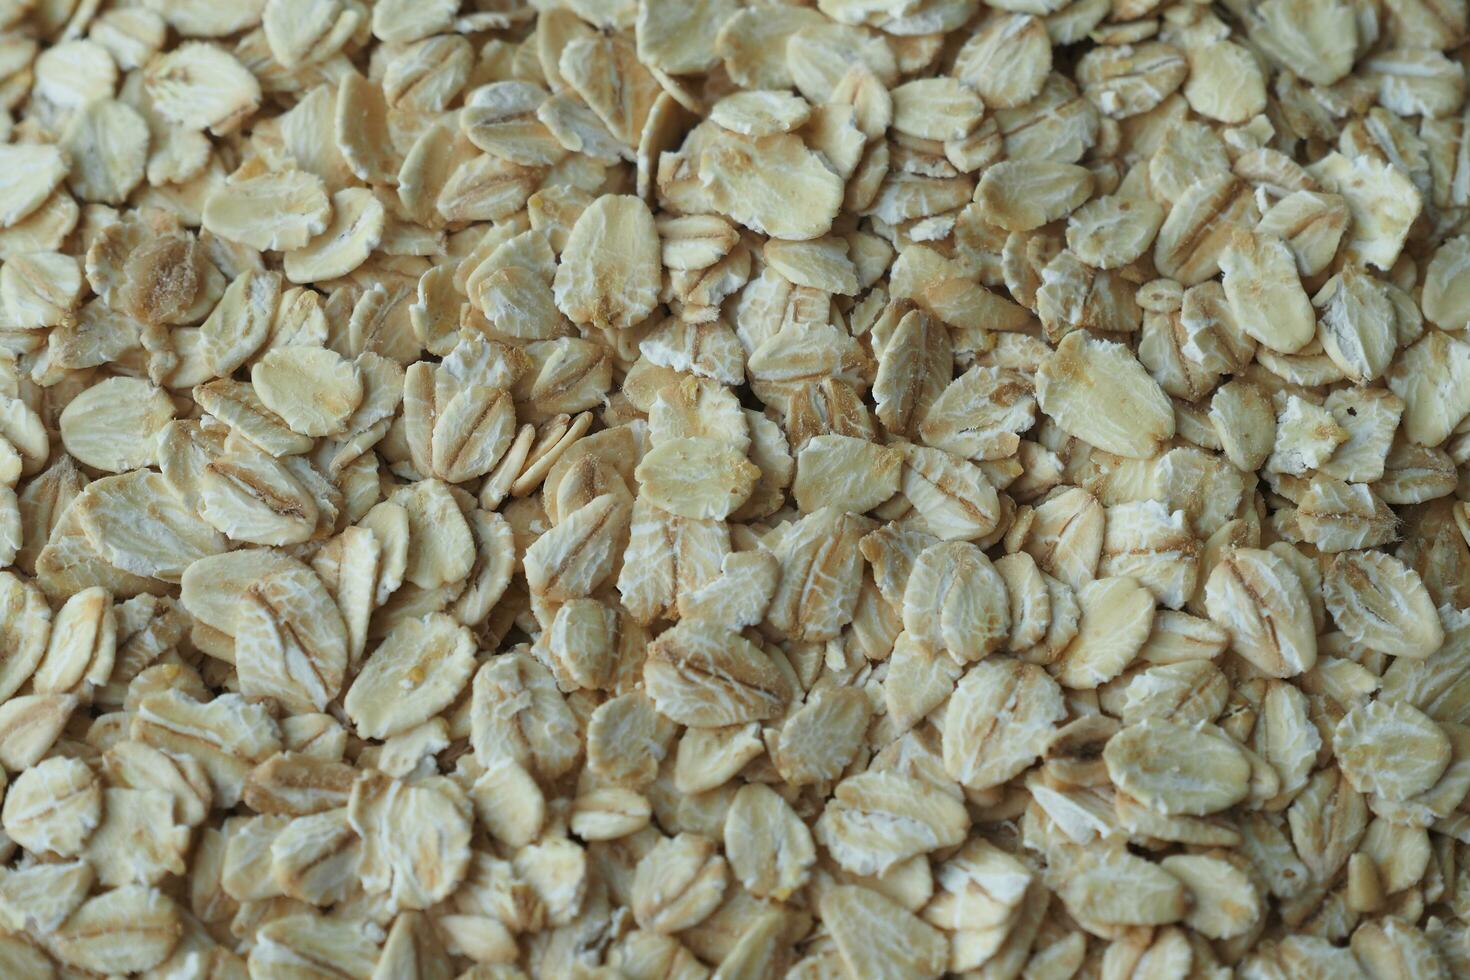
(498, 489)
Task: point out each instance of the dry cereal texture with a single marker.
(734, 489)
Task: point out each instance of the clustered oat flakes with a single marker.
(682, 489)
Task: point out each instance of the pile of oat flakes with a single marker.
(666, 489)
